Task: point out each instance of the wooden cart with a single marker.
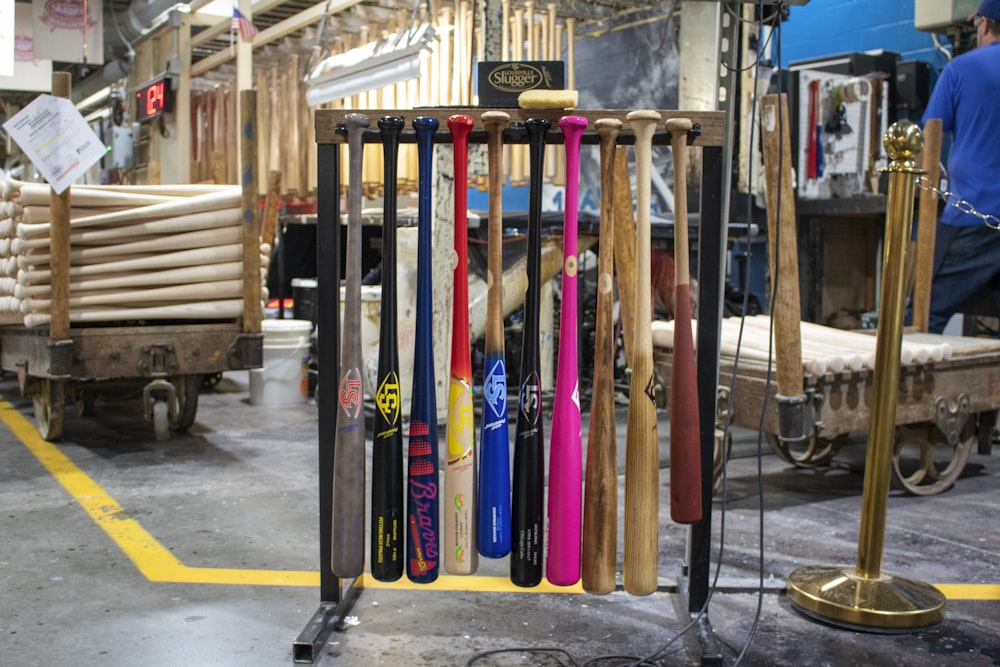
(167, 361)
(945, 408)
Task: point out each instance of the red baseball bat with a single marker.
(565, 452)
(685, 430)
(460, 554)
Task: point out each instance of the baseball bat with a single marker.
(461, 556)
(347, 558)
(187, 274)
(422, 499)
(222, 289)
(685, 429)
(387, 443)
(494, 467)
(600, 500)
(642, 503)
(215, 310)
(562, 567)
(198, 221)
(213, 255)
(529, 447)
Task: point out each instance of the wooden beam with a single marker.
(273, 33)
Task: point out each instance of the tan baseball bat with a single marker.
(36, 194)
(600, 500)
(185, 275)
(624, 219)
(35, 236)
(227, 253)
(226, 289)
(202, 239)
(208, 310)
(642, 503)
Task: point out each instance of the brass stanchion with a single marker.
(863, 597)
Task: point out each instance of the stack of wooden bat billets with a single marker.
(136, 253)
(824, 349)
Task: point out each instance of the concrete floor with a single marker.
(202, 550)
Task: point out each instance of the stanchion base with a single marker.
(835, 594)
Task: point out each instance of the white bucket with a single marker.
(283, 378)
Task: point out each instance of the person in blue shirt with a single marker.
(967, 100)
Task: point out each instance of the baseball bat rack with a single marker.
(338, 594)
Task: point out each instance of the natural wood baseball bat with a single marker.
(624, 239)
(40, 214)
(185, 275)
(685, 429)
(212, 201)
(927, 225)
(348, 532)
(35, 234)
(783, 256)
(226, 253)
(36, 194)
(642, 502)
(225, 289)
(34, 237)
(208, 310)
(600, 500)
(189, 241)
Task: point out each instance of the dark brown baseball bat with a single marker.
(600, 499)
(348, 553)
(642, 473)
(685, 432)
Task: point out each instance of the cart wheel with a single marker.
(84, 401)
(161, 420)
(186, 390)
(817, 452)
(49, 401)
(923, 463)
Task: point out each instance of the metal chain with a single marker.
(951, 199)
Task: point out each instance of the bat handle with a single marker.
(460, 126)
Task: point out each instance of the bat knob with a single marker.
(425, 124)
(573, 126)
(356, 121)
(460, 124)
(390, 124)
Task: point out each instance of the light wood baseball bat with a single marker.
(685, 425)
(642, 503)
(209, 310)
(624, 233)
(35, 234)
(225, 289)
(185, 275)
(600, 500)
(189, 241)
(348, 535)
(226, 253)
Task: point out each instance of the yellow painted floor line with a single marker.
(157, 564)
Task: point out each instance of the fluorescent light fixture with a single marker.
(375, 65)
(98, 97)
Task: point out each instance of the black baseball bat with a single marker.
(527, 499)
(387, 446)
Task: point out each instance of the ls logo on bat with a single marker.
(495, 388)
(387, 398)
(350, 393)
(531, 398)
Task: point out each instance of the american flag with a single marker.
(244, 25)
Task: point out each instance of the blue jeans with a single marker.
(966, 261)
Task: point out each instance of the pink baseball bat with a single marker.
(565, 453)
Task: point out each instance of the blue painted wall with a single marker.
(827, 27)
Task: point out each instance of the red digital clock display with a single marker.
(153, 98)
